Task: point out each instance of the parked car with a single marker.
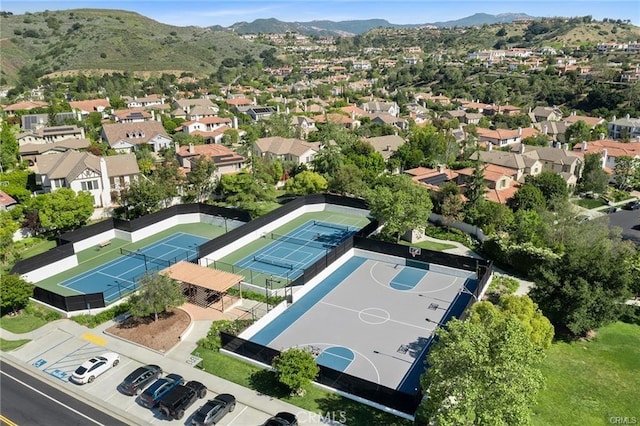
(92, 368)
(160, 387)
(214, 410)
(632, 205)
(173, 404)
(139, 378)
(282, 419)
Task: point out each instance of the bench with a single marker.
(104, 243)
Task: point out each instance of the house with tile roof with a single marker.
(520, 165)
(504, 137)
(386, 145)
(561, 161)
(7, 202)
(545, 114)
(339, 119)
(82, 171)
(305, 124)
(432, 178)
(501, 182)
(609, 149)
(50, 134)
(84, 108)
(202, 107)
(589, 121)
(128, 137)
(132, 115)
(286, 149)
(226, 160)
(143, 101)
(390, 120)
(375, 107)
(624, 128)
(28, 152)
(24, 105)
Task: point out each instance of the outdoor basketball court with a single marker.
(288, 255)
(373, 319)
(118, 277)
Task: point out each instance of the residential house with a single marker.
(565, 163)
(390, 120)
(305, 124)
(33, 122)
(28, 152)
(128, 137)
(339, 119)
(504, 137)
(502, 109)
(235, 103)
(386, 145)
(609, 149)
(553, 129)
(353, 111)
(226, 160)
(132, 115)
(23, 106)
(545, 114)
(589, 121)
(7, 202)
(521, 166)
(286, 149)
(84, 108)
(203, 106)
(477, 106)
(50, 134)
(624, 128)
(432, 178)
(144, 101)
(82, 171)
(210, 128)
(258, 112)
(375, 107)
(501, 182)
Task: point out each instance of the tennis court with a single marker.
(118, 277)
(289, 254)
(372, 319)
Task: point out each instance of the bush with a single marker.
(39, 311)
(212, 341)
(93, 321)
(258, 297)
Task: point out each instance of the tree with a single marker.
(400, 204)
(158, 292)
(476, 185)
(296, 368)
(8, 147)
(527, 197)
(62, 209)
(200, 179)
(481, 372)
(551, 184)
(328, 160)
(15, 293)
(577, 132)
(306, 182)
(626, 172)
(585, 288)
(537, 326)
(492, 217)
(8, 227)
(279, 125)
(594, 178)
(143, 195)
(349, 180)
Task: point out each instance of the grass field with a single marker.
(587, 383)
(590, 203)
(9, 345)
(316, 399)
(429, 245)
(32, 317)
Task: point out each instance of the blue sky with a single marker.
(219, 12)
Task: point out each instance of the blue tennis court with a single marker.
(288, 255)
(118, 277)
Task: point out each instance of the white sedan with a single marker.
(94, 367)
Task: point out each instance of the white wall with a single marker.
(262, 322)
(51, 269)
(94, 241)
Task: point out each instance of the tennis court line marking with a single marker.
(424, 279)
(389, 319)
(336, 355)
(373, 364)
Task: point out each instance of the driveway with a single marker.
(629, 221)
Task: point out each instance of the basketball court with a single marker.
(373, 319)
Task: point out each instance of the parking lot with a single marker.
(629, 221)
(59, 353)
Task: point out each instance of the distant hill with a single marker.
(345, 28)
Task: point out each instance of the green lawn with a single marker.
(429, 245)
(32, 317)
(39, 247)
(589, 382)
(590, 203)
(9, 345)
(316, 399)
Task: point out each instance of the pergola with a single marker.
(213, 282)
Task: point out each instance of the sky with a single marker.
(205, 13)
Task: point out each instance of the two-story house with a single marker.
(226, 160)
(386, 145)
(128, 137)
(375, 107)
(29, 152)
(83, 171)
(51, 134)
(504, 137)
(211, 128)
(286, 149)
(624, 128)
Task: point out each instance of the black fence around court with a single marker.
(406, 403)
(43, 259)
(76, 302)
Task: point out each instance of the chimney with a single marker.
(565, 146)
(278, 109)
(353, 115)
(522, 148)
(177, 146)
(388, 148)
(604, 157)
(583, 146)
(628, 116)
(519, 131)
(601, 136)
(489, 146)
(192, 149)
(440, 168)
(235, 122)
(613, 118)
(545, 130)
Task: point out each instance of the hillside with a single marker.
(89, 39)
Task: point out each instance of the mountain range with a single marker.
(350, 28)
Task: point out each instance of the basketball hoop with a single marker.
(415, 251)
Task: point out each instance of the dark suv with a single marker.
(139, 378)
(158, 389)
(214, 410)
(173, 404)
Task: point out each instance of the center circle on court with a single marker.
(374, 316)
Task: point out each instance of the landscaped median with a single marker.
(316, 399)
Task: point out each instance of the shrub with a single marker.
(93, 321)
(213, 342)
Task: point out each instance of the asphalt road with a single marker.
(629, 221)
(26, 400)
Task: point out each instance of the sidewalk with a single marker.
(174, 361)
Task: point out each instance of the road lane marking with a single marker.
(237, 415)
(52, 399)
(7, 421)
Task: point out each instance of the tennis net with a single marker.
(270, 261)
(300, 241)
(331, 225)
(145, 257)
